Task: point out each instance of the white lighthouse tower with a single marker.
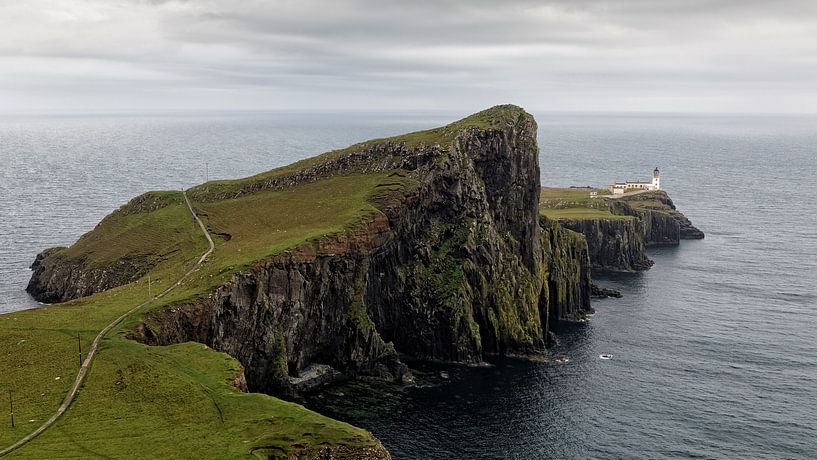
(656, 179)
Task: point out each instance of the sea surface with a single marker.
(714, 349)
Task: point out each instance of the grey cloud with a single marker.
(552, 55)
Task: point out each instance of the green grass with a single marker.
(149, 229)
(493, 118)
(137, 396)
(554, 198)
(581, 214)
(575, 204)
(253, 227)
(177, 402)
(649, 200)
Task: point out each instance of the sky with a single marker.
(712, 56)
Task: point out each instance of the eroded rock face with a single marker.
(456, 269)
(567, 264)
(55, 278)
(613, 244)
(620, 244)
(663, 223)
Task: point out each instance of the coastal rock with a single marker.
(599, 292)
(618, 242)
(566, 256)
(663, 223)
(613, 244)
(455, 269)
(58, 278)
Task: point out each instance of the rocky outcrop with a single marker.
(663, 223)
(619, 242)
(323, 452)
(565, 253)
(456, 268)
(600, 292)
(58, 278)
(613, 244)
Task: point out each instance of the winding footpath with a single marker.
(69, 398)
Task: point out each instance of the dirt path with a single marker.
(69, 398)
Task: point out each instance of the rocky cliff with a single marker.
(613, 244)
(663, 223)
(619, 230)
(567, 264)
(454, 265)
(122, 248)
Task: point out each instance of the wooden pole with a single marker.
(79, 348)
(11, 407)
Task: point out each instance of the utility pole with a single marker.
(79, 348)
(11, 404)
(206, 172)
(149, 295)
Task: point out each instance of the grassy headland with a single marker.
(142, 397)
(181, 400)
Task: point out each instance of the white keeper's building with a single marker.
(618, 188)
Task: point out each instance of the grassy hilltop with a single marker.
(577, 204)
(183, 400)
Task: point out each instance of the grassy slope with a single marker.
(495, 117)
(144, 396)
(171, 401)
(157, 231)
(576, 204)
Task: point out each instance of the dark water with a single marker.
(714, 351)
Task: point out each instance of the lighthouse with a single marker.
(656, 179)
(620, 188)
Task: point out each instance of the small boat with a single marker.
(606, 356)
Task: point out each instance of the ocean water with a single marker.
(714, 350)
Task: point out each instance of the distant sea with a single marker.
(714, 349)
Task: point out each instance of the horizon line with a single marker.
(316, 111)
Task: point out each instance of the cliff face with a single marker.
(613, 244)
(618, 240)
(568, 287)
(58, 278)
(455, 268)
(663, 223)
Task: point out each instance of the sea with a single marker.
(714, 349)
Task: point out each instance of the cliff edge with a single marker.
(618, 230)
(427, 245)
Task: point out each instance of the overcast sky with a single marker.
(626, 55)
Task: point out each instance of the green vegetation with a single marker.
(581, 195)
(163, 402)
(576, 204)
(581, 213)
(148, 229)
(140, 397)
(261, 224)
(493, 118)
(650, 201)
